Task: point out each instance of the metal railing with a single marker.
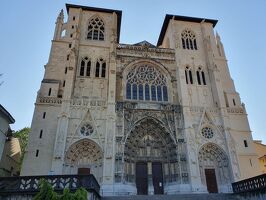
(30, 184)
(250, 185)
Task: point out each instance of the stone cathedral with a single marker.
(142, 118)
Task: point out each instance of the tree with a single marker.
(22, 136)
(47, 193)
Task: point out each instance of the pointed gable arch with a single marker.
(96, 28)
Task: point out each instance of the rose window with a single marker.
(207, 132)
(86, 130)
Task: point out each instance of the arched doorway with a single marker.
(84, 157)
(150, 157)
(214, 168)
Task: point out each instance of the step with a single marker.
(175, 197)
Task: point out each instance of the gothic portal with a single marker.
(142, 118)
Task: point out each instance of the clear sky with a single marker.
(27, 28)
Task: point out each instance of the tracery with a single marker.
(145, 82)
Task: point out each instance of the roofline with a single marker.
(7, 114)
(181, 18)
(118, 12)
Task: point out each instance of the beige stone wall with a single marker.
(261, 152)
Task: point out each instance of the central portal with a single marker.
(151, 161)
(143, 177)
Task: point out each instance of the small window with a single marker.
(165, 93)
(37, 153)
(159, 93)
(234, 102)
(69, 45)
(140, 92)
(67, 57)
(82, 66)
(147, 92)
(186, 76)
(203, 77)
(44, 115)
(250, 161)
(74, 18)
(190, 76)
(245, 143)
(103, 69)
(198, 77)
(66, 70)
(71, 35)
(72, 27)
(40, 134)
(50, 90)
(135, 91)
(153, 93)
(64, 83)
(128, 94)
(97, 71)
(88, 71)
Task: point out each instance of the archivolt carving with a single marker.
(212, 156)
(82, 152)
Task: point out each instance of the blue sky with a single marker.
(27, 29)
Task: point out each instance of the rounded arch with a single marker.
(146, 80)
(84, 153)
(211, 156)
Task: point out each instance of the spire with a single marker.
(58, 25)
(60, 17)
(219, 45)
(218, 38)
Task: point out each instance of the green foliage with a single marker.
(47, 193)
(22, 136)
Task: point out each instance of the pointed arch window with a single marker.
(96, 29)
(201, 76)
(189, 41)
(188, 75)
(85, 67)
(147, 83)
(100, 69)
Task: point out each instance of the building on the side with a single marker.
(142, 118)
(261, 151)
(9, 146)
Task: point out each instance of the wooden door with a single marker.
(157, 178)
(211, 181)
(142, 178)
(83, 171)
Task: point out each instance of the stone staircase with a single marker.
(176, 197)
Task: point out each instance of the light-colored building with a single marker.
(9, 146)
(261, 151)
(143, 118)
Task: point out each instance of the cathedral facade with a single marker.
(142, 118)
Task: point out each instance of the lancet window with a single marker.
(85, 67)
(188, 75)
(189, 40)
(100, 69)
(95, 29)
(146, 83)
(201, 76)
